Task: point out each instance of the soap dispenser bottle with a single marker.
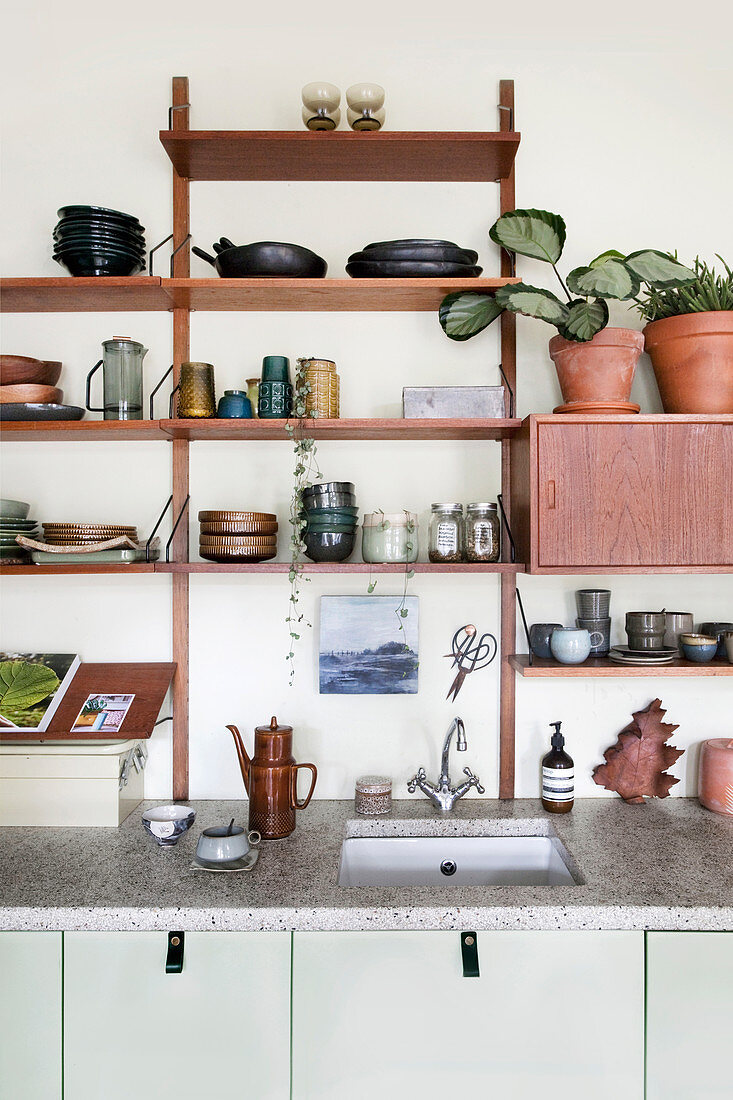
(558, 776)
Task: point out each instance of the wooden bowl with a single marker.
(41, 395)
(18, 370)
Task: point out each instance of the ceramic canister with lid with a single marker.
(373, 795)
(389, 537)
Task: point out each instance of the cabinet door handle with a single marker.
(550, 494)
(174, 958)
(469, 953)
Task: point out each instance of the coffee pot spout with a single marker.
(244, 760)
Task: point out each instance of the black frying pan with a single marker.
(264, 260)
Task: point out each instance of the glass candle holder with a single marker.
(196, 397)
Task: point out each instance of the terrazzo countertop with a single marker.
(665, 865)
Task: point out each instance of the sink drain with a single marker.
(448, 867)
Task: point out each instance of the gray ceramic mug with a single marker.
(572, 647)
(645, 629)
(539, 638)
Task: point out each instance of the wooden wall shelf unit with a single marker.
(287, 156)
(622, 494)
(421, 156)
(604, 666)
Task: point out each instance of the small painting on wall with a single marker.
(367, 646)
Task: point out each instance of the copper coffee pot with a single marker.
(270, 779)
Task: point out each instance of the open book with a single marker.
(31, 687)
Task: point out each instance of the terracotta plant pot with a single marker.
(692, 356)
(599, 370)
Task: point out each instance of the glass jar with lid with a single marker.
(482, 533)
(446, 533)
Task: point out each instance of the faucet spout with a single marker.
(461, 746)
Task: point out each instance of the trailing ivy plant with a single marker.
(401, 611)
(305, 473)
(541, 236)
(709, 292)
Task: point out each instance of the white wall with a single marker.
(626, 125)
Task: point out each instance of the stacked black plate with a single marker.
(92, 240)
(413, 259)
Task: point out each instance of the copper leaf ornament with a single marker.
(636, 765)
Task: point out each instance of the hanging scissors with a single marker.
(469, 654)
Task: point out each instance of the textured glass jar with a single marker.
(196, 395)
(446, 533)
(373, 795)
(389, 537)
(482, 533)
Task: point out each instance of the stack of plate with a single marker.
(28, 390)
(85, 534)
(413, 259)
(238, 536)
(13, 522)
(623, 655)
(322, 400)
(92, 240)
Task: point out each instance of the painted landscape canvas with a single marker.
(362, 649)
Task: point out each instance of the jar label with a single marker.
(558, 784)
(446, 538)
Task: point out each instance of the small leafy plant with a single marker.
(94, 706)
(708, 293)
(541, 235)
(305, 472)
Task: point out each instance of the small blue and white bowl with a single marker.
(167, 824)
(699, 648)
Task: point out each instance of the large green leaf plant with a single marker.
(541, 235)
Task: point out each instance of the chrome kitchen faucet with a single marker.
(442, 794)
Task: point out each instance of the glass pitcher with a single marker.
(122, 379)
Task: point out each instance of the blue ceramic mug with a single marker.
(539, 638)
(572, 647)
(234, 405)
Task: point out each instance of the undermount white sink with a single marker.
(454, 861)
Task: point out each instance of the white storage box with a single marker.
(94, 783)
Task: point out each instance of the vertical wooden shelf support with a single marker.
(507, 679)
(181, 351)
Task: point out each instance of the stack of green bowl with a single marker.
(13, 522)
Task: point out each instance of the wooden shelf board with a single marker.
(603, 666)
(375, 428)
(329, 567)
(624, 570)
(307, 295)
(148, 682)
(384, 156)
(73, 570)
(65, 294)
(61, 431)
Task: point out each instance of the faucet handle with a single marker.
(474, 780)
(412, 783)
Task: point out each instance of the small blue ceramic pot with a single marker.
(234, 405)
(698, 647)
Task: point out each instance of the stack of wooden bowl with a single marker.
(323, 399)
(238, 536)
(85, 534)
(24, 380)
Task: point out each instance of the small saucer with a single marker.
(244, 863)
(655, 654)
(602, 407)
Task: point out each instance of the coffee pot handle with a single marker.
(89, 388)
(294, 786)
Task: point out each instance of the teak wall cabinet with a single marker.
(626, 494)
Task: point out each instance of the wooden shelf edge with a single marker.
(333, 567)
(377, 428)
(603, 666)
(60, 431)
(66, 294)
(74, 570)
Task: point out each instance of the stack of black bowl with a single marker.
(330, 514)
(413, 259)
(91, 240)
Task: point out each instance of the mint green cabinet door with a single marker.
(689, 1015)
(221, 1028)
(557, 1015)
(30, 1015)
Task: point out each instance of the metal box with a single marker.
(95, 783)
(453, 402)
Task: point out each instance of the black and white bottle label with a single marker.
(558, 784)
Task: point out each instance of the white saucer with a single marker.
(244, 863)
